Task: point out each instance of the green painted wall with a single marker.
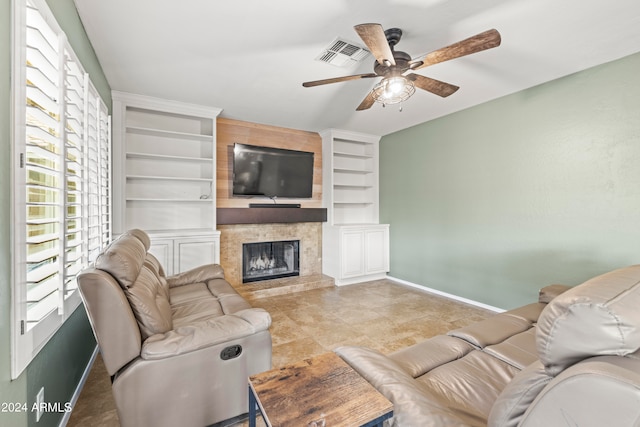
(60, 364)
(542, 186)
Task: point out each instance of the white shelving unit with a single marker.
(350, 177)
(355, 245)
(165, 173)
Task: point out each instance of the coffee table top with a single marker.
(316, 389)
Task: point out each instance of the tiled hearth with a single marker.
(308, 233)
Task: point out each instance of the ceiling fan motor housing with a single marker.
(402, 64)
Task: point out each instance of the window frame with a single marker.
(27, 341)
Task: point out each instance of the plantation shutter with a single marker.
(75, 249)
(43, 165)
(99, 178)
(62, 192)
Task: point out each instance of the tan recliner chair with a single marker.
(179, 349)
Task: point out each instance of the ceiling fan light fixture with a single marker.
(393, 90)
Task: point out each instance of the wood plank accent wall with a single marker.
(230, 131)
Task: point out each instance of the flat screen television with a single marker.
(272, 172)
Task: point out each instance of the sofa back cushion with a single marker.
(150, 304)
(597, 318)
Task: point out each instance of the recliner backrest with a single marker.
(597, 318)
(126, 259)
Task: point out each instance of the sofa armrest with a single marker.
(595, 392)
(196, 275)
(549, 292)
(205, 333)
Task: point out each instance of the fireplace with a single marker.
(270, 260)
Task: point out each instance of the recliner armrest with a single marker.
(196, 275)
(205, 333)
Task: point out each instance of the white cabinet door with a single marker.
(376, 250)
(178, 253)
(352, 253)
(191, 253)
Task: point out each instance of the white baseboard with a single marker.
(359, 279)
(76, 393)
(447, 295)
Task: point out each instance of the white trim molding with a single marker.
(447, 295)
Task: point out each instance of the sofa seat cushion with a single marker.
(414, 404)
(196, 311)
(199, 301)
(518, 351)
(184, 294)
(470, 384)
(206, 333)
(229, 299)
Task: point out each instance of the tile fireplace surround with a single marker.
(309, 234)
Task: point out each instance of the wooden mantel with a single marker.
(269, 215)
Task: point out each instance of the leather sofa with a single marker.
(179, 349)
(570, 359)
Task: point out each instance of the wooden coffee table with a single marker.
(316, 392)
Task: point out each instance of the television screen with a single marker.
(271, 172)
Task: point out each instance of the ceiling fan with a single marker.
(395, 67)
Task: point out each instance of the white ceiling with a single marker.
(250, 57)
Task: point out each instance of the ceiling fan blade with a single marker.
(367, 102)
(432, 85)
(373, 36)
(474, 44)
(338, 79)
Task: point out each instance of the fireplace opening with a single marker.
(270, 260)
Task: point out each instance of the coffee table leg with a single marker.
(252, 408)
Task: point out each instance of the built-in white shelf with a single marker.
(168, 133)
(141, 199)
(168, 178)
(353, 170)
(152, 156)
(164, 177)
(352, 155)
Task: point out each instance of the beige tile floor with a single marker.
(382, 315)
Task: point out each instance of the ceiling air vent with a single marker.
(342, 53)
